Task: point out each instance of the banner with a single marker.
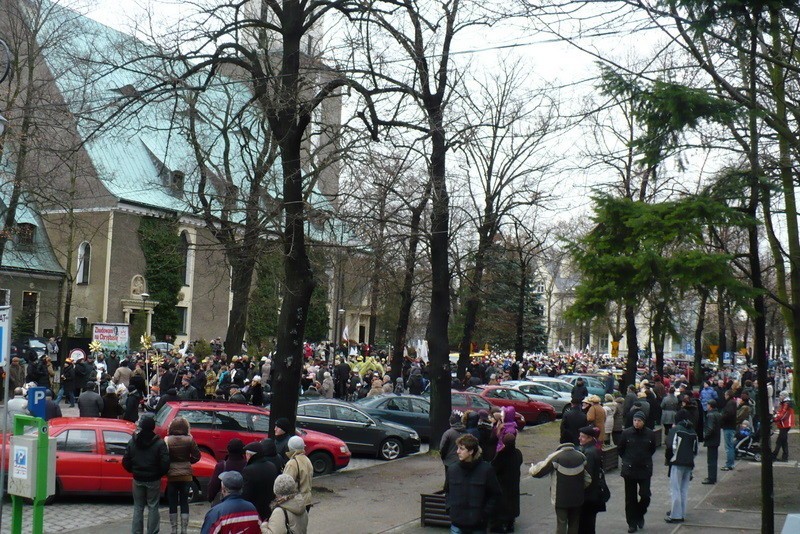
(112, 336)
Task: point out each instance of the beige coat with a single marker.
(295, 514)
(300, 469)
(596, 415)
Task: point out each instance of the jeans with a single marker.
(178, 492)
(679, 478)
(457, 530)
(146, 493)
(567, 520)
(730, 444)
(713, 455)
(636, 506)
(70, 396)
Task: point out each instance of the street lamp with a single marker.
(145, 296)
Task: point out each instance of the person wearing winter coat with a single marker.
(147, 459)
(299, 468)
(728, 424)
(568, 480)
(507, 426)
(470, 420)
(259, 476)
(711, 440)
(183, 452)
(474, 490)
(593, 502)
(111, 407)
(448, 447)
(636, 447)
(289, 512)
(131, 409)
(619, 420)
(327, 390)
(573, 420)
(610, 408)
(90, 403)
(507, 463)
(596, 416)
(234, 461)
(681, 448)
(271, 454)
(669, 407)
(233, 514)
(785, 421)
(67, 383)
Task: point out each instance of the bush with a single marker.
(202, 349)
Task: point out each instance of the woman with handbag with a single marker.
(289, 514)
(183, 452)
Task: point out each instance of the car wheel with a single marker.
(322, 462)
(542, 419)
(195, 495)
(757, 457)
(391, 449)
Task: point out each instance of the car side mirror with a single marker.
(368, 423)
(555, 395)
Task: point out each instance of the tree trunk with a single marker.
(438, 346)
(519, 346)
(474, 299)
(377, 270)
(723, 342)
(698, 338)
(633, 346)
(241, 282)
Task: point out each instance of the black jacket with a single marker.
(473, 493)
(681, 445)
(111, 407)
(507, 465)
(594, 464)
(574, 419)
(259, 477)
(711, 430)
(447, 447)
(146, 457)
(282, 445)
(728, 420)
(636, 448)
(131, 409)
(581, 392)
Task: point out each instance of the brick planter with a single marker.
(433, 511)
(610, 457)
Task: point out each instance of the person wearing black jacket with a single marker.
(593, 502)
(147, 459)
(507, 463)
(474, 489)
(728, 425)
(259, 476)
(573, 420)
(67, 383)
(131, 409)
(283, 431)
(681, 448)
(636, 447)
(580, 390)
(170, 396)
(711, 440)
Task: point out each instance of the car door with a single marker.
(498, 397)
(422, 410)
(356, 429)
(78, 464)
(398, 410)
(522, 404)
(317, 417)
(114, 478)
(201, 423)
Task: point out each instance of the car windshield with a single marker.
(36, 344)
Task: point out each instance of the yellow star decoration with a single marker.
(95, 346)
(156, 360)
(147, 341)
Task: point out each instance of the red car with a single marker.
(89, 453)
(215, 423)
(534, 411)
(465, 400)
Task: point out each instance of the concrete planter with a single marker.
(433, 511)
(659, 432)
(610, 457)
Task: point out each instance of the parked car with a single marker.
(594, 385)
(538, 391)
(534, 411)
(23, 346)
(215, 423)
(557, 384)
(363, 433)
(89, 453)
(163, 346)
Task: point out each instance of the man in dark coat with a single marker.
(51, 408)
(259, 476)
(147, 458)
(636, 447)
(573, 420)
(728, 425)
(283, 432)
(90, 403)
(568, 479)
(711, 440)
(473, 491)
(67, 383)
(507, 463)
(593, 502)
(580, 390)
(341, 374)
(170, 396)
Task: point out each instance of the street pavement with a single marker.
(383, 497)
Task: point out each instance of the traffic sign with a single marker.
(36, 401)
(5, 334)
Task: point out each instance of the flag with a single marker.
(345, 334)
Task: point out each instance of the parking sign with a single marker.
(5, 333)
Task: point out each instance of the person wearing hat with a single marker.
(235, 460)
(785, 421)
(447, 445)
(711, 439)
(283, 431)
(593, 502)
(259, 475)
(580, 390)
(147, 459)
(233, 514)
(636, 447)
(506, 464)
(681, 448)
(596, 416)
(111, 406)
(573, 419)
(67, 383)
(289, 512)
(299, 468)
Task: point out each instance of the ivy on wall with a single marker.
(161, 245)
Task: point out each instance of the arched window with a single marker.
(185, 257)
(84, 262)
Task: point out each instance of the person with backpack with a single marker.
(593, 501)
(681, 448)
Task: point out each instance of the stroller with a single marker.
(747, 443)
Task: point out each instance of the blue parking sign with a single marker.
(5, 333)
(36, 401)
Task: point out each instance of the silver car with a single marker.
(541, 392)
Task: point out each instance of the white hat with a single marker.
(296, 443)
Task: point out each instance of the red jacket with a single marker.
(785, 415)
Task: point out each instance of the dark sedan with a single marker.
(362, 432)
(409, 410)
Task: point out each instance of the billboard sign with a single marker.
(113, 336)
